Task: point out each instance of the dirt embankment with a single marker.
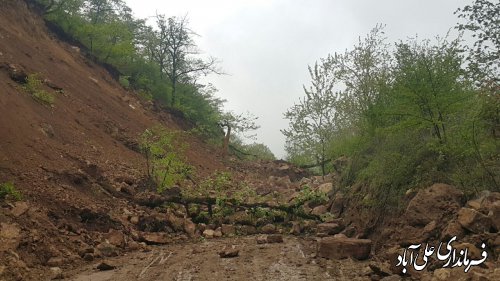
(70, 161)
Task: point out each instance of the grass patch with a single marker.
(7, 190)
(33, 87)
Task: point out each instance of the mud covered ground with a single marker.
(292, 260)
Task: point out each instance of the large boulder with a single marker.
(438, 202)
(473, 220)
(343, 247)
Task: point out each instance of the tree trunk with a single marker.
(226, 141)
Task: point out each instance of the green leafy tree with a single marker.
(482, 20)
(313, 119)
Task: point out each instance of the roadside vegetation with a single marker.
(407, 114)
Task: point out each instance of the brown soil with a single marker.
(292, 260)
(70, 157)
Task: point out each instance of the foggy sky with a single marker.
(266, 45)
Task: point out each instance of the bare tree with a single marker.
(173, 48)
(239, 123)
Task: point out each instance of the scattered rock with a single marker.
(329, 228)
(262, 239)
(473, 220)
(218, 232)
(452, 229)
(274, 238)
(380, 269)
(339, 248)
(229, 253)
(19, 209)
(268, 229)
(271, 238)
(55, 262)
(134, 219)
(155, 238)
(107, 249)
(296, 228)
(349, 231)
(248, 230)
(56, 273)
(228, 230)
(337, 204)
(115, 238)
(106, 265)
(494, 215)
(88, 257)
(326, 188)
(208, 233)
(433, 204)
(472, 251)
(190, 228)
(10, 236)
(17, 73)
(319, 210)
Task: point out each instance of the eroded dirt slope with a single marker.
(69, 159)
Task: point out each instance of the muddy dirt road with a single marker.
(291, 260)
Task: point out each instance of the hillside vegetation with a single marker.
(407, 114)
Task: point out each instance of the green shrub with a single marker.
(124, 82)
(34, 86)
(165, 164)
(7, 190)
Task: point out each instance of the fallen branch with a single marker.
(157, 200)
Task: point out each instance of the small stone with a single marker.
(329, 228)
(55, 261)
(134, 219)
(228, 230)
(296, 228)
(262, 239)
(115, 238)
(56, 273)
(319, 210)
(190, 228)
(268, 229)
(274, 238)
(19, 209)
(106, 265)
(230, 253)
(88, 257)
(208, 233)
(155, 238)
(218, 232)
(107, 249)
(326, 188)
